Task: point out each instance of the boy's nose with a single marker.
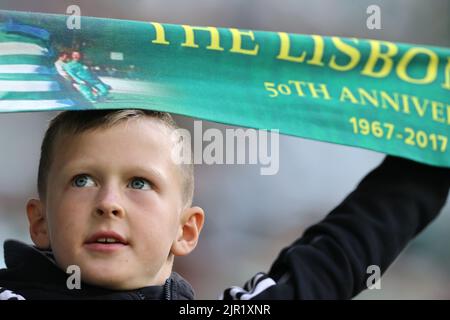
(109, 205)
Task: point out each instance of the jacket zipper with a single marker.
(167, 286)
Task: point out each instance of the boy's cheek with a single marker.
(72, 198)
(67, 213)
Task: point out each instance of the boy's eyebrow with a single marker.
(150, 170)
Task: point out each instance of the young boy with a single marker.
(114, 204)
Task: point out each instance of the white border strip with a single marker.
(13, 105)
(25, 68)
(28, 86)
(13, 48)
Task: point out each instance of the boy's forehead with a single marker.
(128, 141)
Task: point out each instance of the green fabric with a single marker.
(383, 96)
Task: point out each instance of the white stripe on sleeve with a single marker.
(9, 295)
(252, 288)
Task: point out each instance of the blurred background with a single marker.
(251, 217)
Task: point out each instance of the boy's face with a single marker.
(117, 184)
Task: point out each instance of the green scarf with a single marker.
(383, 96)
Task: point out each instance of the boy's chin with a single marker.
(118, 275)
(119, 280)
(111, 281)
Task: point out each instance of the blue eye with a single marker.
(140, 183)
(83, 180)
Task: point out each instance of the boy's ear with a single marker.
(189, 231)
(38, 223)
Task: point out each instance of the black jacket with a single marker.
(390, 206)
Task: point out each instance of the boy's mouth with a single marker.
(105, 241)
